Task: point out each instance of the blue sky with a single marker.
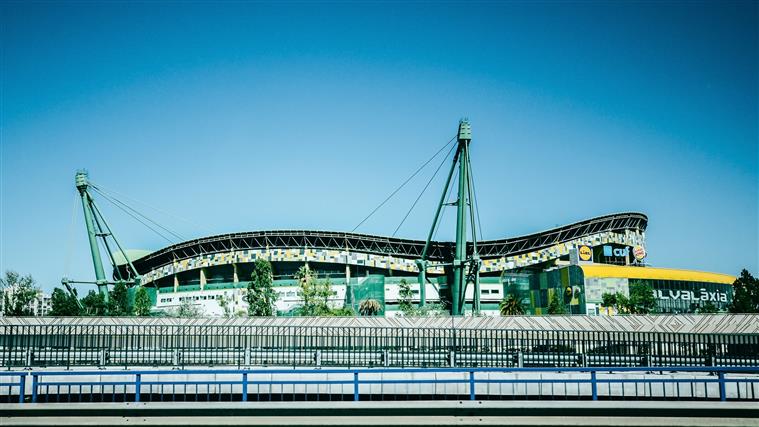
(243, 116)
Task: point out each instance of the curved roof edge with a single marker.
(391, 245)
(133, 254)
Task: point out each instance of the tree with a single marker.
(511, 306)
(707, 308)
(341, 312)
(118, 301)
(314, 293)
(93, 304)
(431, 310)
(369, 307)
(142, 303)
(19, 293)
(224, 303)
(405, 298)
(745, 294)
(641, 300)
(64, 303)
(555, 306)
(261, 296)
(188, 309)
(609, 300)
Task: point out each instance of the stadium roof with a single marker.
(405, 248)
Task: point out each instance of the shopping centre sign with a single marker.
(620, 252)
(685, 295)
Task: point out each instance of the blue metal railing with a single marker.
(360, 384)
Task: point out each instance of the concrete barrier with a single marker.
(534, 413)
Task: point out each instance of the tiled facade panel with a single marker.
(628, 238)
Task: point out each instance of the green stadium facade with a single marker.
(576, 264)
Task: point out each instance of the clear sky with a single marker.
(237, 116)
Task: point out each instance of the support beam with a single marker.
(463, 266)
(458, 287)
(81, 184)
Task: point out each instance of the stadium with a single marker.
(571, 267)
(578, 262)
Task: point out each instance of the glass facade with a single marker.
(536, 289)
(677, 296)
(584, 295)
(672, 296)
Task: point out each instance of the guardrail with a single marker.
(29, 346)
(680, 383)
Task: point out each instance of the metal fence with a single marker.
(332, 346)
(381, 384)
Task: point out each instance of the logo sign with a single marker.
(619, 252)
(586, 254)
(702, 295)
(639, 252)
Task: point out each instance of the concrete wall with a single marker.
(682, 323)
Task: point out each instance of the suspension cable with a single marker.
(115, 200)
(446, 202)
(115, 193)
(135, 217)
(423, 190)
(404, 183)
(70, 243)
(474, 196)
(102, 231)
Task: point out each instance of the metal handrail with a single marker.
(353, 376)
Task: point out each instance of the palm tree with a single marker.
(510, 306)
(369, 307)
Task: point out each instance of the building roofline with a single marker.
(654, 273)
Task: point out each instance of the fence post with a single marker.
(34, 388)
(21, 388)
(355, 386)
(471, 385)
(452, 358)
(520, 358)
(244, 386)
(722, 392)
(137, 386)
(247, 356)
(593, 385)
(28, 358)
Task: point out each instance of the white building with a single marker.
(40, 306)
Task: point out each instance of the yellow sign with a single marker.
(586, 254)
